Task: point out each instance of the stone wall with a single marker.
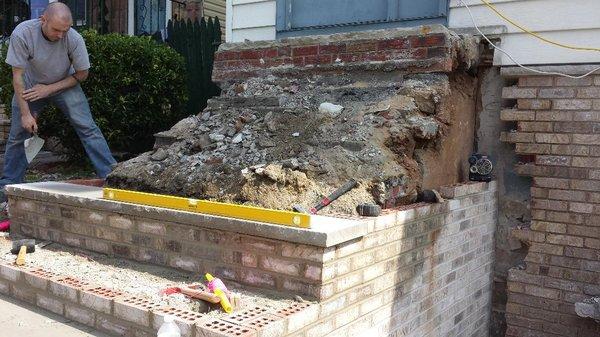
(558, 135)
(420, 271)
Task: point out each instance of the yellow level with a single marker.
(285, 218)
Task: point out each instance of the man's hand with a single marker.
(38, 91)
(28, 122)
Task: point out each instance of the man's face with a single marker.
(55, 28)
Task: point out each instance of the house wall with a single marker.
(572, 22)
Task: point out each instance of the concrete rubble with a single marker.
(279, 140)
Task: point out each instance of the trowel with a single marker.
(33, 146)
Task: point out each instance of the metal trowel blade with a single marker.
(33, 146)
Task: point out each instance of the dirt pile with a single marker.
(277, 141)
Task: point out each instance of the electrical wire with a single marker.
(536, 35)
(513, 59)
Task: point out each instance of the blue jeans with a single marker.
(73, 103)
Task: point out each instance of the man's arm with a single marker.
(40, 91)
(27, 120)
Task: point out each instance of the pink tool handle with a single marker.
(216, 283)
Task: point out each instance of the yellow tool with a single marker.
(21, 257)
(251, 213)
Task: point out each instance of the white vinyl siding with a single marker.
(575, 22)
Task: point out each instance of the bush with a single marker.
(136, 88)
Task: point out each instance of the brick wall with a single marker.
(426, 271)
(558, 134)
(423, 49)
(417, 271)
(246, 259)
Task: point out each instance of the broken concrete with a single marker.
(270, 141)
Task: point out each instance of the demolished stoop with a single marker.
(405, 122)
(422, 270)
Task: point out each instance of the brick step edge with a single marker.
(122, 314)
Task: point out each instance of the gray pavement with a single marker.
(20, 319)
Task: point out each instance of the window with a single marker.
(305, 17)
(150, 16)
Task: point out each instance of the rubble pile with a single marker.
(279, 141)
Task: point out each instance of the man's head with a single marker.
(56, 21)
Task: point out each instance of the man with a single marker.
(49, 60)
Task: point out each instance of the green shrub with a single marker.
(136, 88)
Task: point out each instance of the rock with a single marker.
(159, 155)
(238, 138)
(272, 125)
(216, 137)
(266, 142)
(589, 308)
(424, 127)
(291, 163)
(425, 102)
(330, 109)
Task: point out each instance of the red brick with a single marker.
(298, 61)
(332, 49)
(227, 55)
(418, 53)
(428, 41)
(284, 51)
(305, 50)
(217, 327)
(397, 44)
(437, 52)
(361, 46)
(552, 138)
(251, 54)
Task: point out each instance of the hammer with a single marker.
(21, 247)
(349, 185)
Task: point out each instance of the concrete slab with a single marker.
(325, 231)
(23, 319)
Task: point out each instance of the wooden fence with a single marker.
(197, 42)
